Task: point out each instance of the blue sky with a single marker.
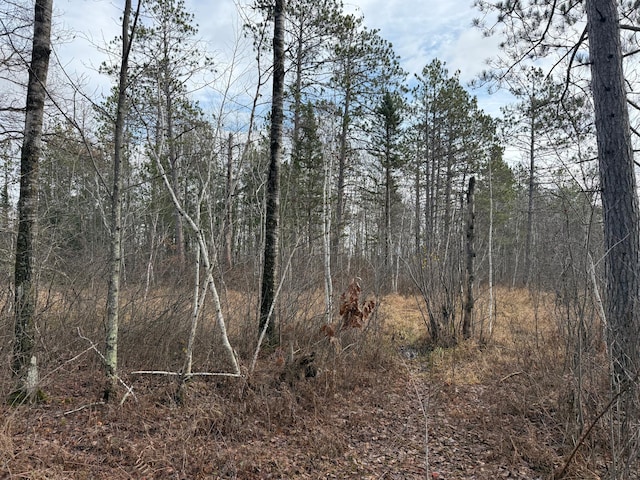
(420, 30)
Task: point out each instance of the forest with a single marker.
(299, 260)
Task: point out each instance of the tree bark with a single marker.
(618, 184)
(272, 216)
(387, 208)
(336, 247)
(620, 212)
(326, 237)
(25, 294)
(532, 169)
(113, 293)
(228, 210)
(490, 247)
(175, 177)
(471, 254)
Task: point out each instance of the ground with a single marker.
(480, 410)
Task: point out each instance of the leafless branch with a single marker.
(574, 52)
(633, 28)
(104, 361)
(194, 374)
(586, 433)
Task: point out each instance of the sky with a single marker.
(420, 30)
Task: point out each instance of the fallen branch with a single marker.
(95, 404)
(179, 374)
(510, 375)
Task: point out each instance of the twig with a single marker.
(104, 361)
(68, 361)
(510, 375)
(82, 408)
(424, 410)
(515, 449)
(586, 433)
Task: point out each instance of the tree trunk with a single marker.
(448, 188)
(228, 210)
(469, 301)
(490, 248)
(620, 209)
(113, 294)
(429, 161)
(4, 202)
(175, 181)
(417, 192)
(340, 187)
(272, 230)
(24, 366)
(387, 214)
(618, 183)
(529, 238)
(326, 238)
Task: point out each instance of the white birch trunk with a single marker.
(198, 300)
(326, 239)
(491, 251)
(113, 294)
(204, 251)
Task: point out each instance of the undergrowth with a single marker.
(515, 389)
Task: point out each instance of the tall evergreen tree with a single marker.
(304, 179)
(386, 140)
(544, 23)
(364, 67)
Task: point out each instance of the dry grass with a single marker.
(525, 338)
(404, 321)
(496, 408)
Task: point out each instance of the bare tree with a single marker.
(113, 295)
(24, 361)
(272, 230)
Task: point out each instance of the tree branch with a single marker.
(586, 433)
(632, 28)
(574, 52)
(179, 374)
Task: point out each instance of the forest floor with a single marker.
(486, 410)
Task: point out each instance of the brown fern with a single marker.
(353, 313)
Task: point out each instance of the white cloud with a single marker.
(425, 30)
(419, 31)
(81, 31)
